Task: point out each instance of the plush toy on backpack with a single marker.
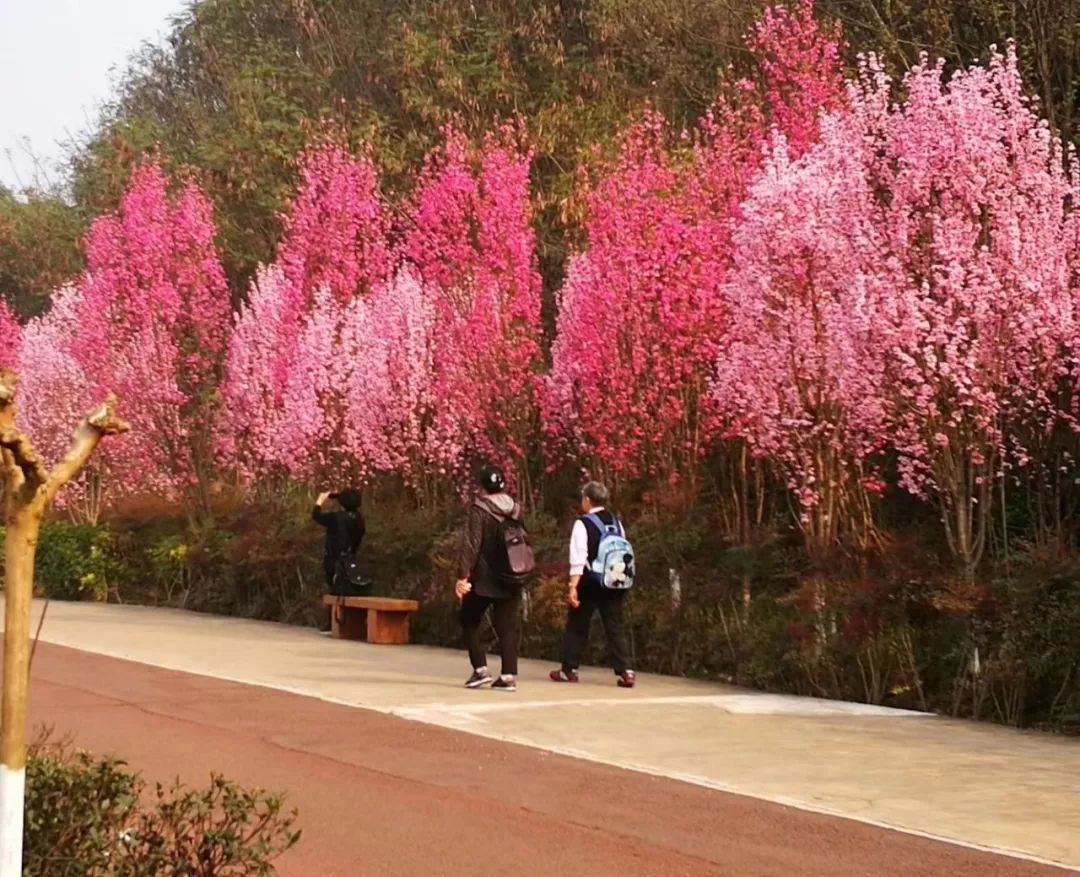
(614, 564)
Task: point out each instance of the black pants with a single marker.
(505, 616)
(610, 606)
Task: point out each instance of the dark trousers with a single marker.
(505, 616)
(610, 606)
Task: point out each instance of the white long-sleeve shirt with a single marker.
(579, 546)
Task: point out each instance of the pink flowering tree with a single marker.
(285, 375)
(251, 390)
(642, 316)
(472, 246)
(800, 73)
(55, 392)
(640, 319)
(309, 441)
(151, 326)
(392, 424)
(343, 361)
(979, 219)
(801, 374)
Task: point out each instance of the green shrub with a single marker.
(75, 561)
(76, 808)
(167, 565)
(88, 817)
(1026, 631)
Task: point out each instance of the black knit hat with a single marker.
(349, 499)
(492, 479)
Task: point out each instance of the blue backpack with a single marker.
(614, 564)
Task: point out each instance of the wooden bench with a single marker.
(382, 620)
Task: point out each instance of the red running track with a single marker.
(384, 797)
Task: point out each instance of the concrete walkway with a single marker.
(976, 785)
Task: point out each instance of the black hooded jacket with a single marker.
(344, 531)
(483, 551)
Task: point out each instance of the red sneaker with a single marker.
(627, 679)
(563, 676)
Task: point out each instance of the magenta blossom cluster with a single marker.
(407, 347)
(643, 315)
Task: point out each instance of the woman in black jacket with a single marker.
(483, 581)
(344, 532)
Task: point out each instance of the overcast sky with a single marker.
(57, 59)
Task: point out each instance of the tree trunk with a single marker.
(20, 544)
(29, 487)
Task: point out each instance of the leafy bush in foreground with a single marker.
(91, 817)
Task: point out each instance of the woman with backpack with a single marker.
(344, 532)
(495, 564)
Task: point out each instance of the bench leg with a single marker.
(348, 623)
(388, 628)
